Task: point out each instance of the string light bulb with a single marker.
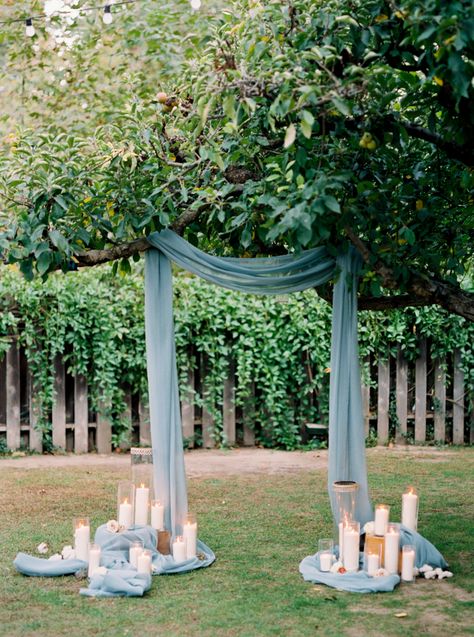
(30, 29)
(195, 4)
(107, 17)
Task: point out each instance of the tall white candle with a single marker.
(341, 526)
(94, 559)
(144, 562)
(325, 560)
(142, 493)
(190, 537)
(410, 509)
(382, 512)
(82, 537)
(125, 514)
(157, 515)
(408, 563)
(392, 548)
(179, 549)
(135, 550)
(372, 563)
(351, 547)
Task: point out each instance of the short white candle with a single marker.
(142, 493)
(190, 537)
(372, 563)
(135, 550)
(144, 562)
(325, 561)
(157, 515)
(410, 509)
(351, 547)
(179, 549)
(408, 563)
(125, 514)
(392, 548)
(82, 537)
(382, 512)
(94, 559)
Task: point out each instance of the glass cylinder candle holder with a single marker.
(408, 563)
(344, 494)
(373, 560)
(382, 514)
(94, 559)
(350, 551)
(325, 553)
(135, 550)
(157, 515)
(125, 501)
(142, 478)
(410, 509)
(144, 562)
(392, 548)
(82, 536)
(190, 535)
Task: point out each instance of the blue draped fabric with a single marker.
(273, 275)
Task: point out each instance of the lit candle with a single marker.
(82, 537)
(410, 509)
(136, 549)
(144, 562)
(382, 512)
(94, 559)
(141, 505)
(408, 563)
(325, 561)
(125, 514)
(157, 515)
(350, 554)
(341, 527)
(179, 549)
(190, 535)
(392, 548)
(372, 563)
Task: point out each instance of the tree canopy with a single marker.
(251, 127)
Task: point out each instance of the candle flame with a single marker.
(411, 490)
(125, 501)
(142, 486)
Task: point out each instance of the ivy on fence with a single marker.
(280, 345)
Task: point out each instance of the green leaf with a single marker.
(58, 240)
(331, 203)
(43, 262)
(290, 136)
(341, 105)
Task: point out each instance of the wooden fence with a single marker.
(406, 402)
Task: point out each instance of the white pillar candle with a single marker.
(325, 561)
(157, 515)
(94, 559)
(392, 548)
(144, 562)
(408, 563)
(410, 509)
(341, 526)
(125, 514)
(135, 550)
(190, 537)
(82, 538)
(351, 547)
(142, 494)
(382, 512)
(179, 549)
(372, 563)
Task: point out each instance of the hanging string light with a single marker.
(195, 4)
(30, 29)
(107, 17)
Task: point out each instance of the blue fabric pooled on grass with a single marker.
(40, 567)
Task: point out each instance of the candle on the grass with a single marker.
(392, 548)
(125, 514)
(325, 553)
(350, 554)
(408, 563)
(190, 535)
(144, 562)
(179, 549)
(82, 538)
(410, 509)
(136, 549)
(372, 562)
(142, 494)
(157, 515)
(382, 512)
(94, 559)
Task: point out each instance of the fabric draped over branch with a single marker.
(272, 275)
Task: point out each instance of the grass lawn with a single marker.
(260, 527)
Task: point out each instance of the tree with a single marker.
(277, 126)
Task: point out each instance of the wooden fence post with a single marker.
(458, 400)
(401, 396)
(420, 394)
(36, 437)
(59, 405)
(440, 400)
(207, 417)
(228, 411)
(248, 412)
(366, 400)
(103, 432)
(127, 416)
(188, 409)
(81, 415)
(13, 396)
(383, 401)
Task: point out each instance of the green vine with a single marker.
(280, 346)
